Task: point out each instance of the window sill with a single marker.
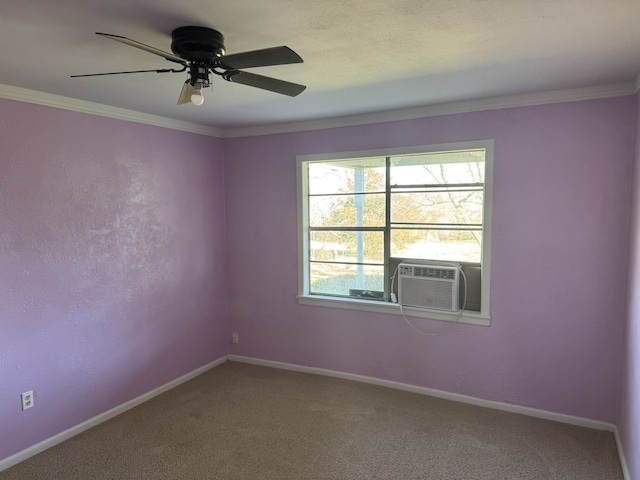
(468, 317)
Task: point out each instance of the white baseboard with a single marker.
(92, 422)
(531, 412)
(623, 460)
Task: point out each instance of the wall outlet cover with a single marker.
(27, 400)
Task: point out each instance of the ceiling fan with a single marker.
(200, 51)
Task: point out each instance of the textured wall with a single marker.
(112, 248)
(112, 259)
(560, 220)
(629, 423)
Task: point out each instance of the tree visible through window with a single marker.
(364, 215)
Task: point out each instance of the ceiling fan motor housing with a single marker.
(197, 43)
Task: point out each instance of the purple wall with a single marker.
(112, 251)
(629, 424)
(114, 263)
(560, 227)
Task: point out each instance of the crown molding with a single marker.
(511, 101)
(494, 103)
(10, 92)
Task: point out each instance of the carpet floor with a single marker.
(240, 421)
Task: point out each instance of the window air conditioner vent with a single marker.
(432, 272)
(428, 286)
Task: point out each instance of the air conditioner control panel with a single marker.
(405, 270)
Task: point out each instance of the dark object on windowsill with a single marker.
(371, 294)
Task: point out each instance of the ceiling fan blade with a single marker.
(185, 93)
(156, 51)
(261, 58)
(161, 70)
(266, 83)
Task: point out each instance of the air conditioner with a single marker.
(429, 286)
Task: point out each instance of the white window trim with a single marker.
(469, 317)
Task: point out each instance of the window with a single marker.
(363, 213)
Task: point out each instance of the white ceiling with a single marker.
(360, 56)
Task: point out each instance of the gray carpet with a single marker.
(240, 421)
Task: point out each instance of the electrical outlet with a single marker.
(235, 338)
(27, 400)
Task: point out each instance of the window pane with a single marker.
(438, 168)
(338, 279)
(437, 207)
(347, 176)
(451, 245)
(347, 210)
(362, 247)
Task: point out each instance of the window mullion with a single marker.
(387, 229)
(447, 186)
(346, 229)
(436, 226)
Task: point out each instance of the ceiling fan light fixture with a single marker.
(196, 96)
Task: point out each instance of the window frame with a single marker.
(305, 298)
